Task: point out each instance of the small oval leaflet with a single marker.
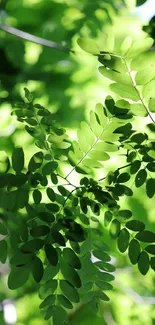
(37, 269)
(150, 187)
(39, 231)
(49, 167)
(143, 263)
(69, 291)
(18, 277)
(37, 196)
(18, 160)
(123, 240)
(3, 251)
(51, 254)
(140, 177)
(115, 228)
(150, 249)
(60, 316)
(135, 166)
(65, 302)
(122, 178)
(70, 275)
(36, 161)
(135, 225)
(51, 194)
(32, 246)
(146, 236)
(126, 214)
(134, 251)
(101, 255)
(71, 258)
(48, 301)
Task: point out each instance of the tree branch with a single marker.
(34, 39)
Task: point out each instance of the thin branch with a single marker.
(34, 39)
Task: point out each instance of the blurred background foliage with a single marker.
(69, 85)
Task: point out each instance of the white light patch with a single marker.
(10, 315)
(146, 11)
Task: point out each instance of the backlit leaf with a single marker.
(18, 160)
(134, 251)
(123, 240)
(143, 262)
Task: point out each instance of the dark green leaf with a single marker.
(126, 214)
(39, 231)
(134, 251)
(152, 263)
(46, 216)
(150, 249)
(58, 238)
(50, 272)
(3, 251)
(104, 276)
(138, 138)
(20, 258)
(71, 258)
(104, 285)
(18, 277)
(32, 246)
(143, 263)
(60, 316)
(135, 166)
(123, 240)
(48, 301)
(101, 255)
(37, 269)
(51, 194)
(69, 291)
(28, 95)
(70, 275)
(36, 161)
(51, 254)
(135, 225)
(64, 302)
(151, 166)
(140, 2)
(115, 228)
(146, 236)
(107, 218)
(105, 266)
(49, 167)
(18, 160)
(122, 178)
(140, 177)
(3, 229)
(37, 196)
(150, 187)
(52, 207)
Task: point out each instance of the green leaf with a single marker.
(135, 225)
(115, 228)
(134, 251)
(37, 196)
(135, 166)
(28, 95)
(150, 249)
(47, 288)
(107, 218)
(122, 178)
(104, 276)
(146, 236)
(140, 177)
(125, 214)
(36, 161)
(52, 207)
(138, 109)
(88, 45)
(3, 251)
(150, 187)
(71, 258)
(46, 216)
(60, 316)
(39, 231)
(19, 258)
(64, 302)
(69, 291)
(152, 263)
(101, 255)
(152, 104)
(148, 90)
(49, 167)
(18, 277)
(151, 166)
(50, 272)
(99, 155)
(126, 44)
(143, 263)
(32, 246)
(104, 285)
(51, 194)
(143, 76)
(48, 301)
(70, 275)
(49, 313)
(124, 91)
(140, 2)
(37, 269)
(123, 240)
(3, 229)
(51, 254)
(18, 160)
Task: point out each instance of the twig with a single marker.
(34, 39)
